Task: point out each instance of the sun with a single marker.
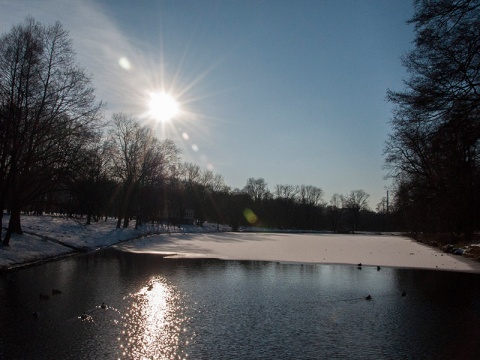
(163, 107)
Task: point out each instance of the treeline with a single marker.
(303, 208)
(58, 155)
(433, 150)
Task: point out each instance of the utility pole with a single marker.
(386, 215)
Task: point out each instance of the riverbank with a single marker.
(49, 237)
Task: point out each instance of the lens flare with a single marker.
(250, 216)
(124, 63)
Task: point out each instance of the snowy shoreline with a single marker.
(48, 238)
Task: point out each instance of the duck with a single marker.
(368, 297)
(378, 268)
(404, 293)
(103, 306)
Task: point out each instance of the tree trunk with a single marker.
(14, 226)
(6, 240)
(1, 222)
(2, 207)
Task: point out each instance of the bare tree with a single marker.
(218, 184)
(92, 187)
(433, 150)
(206, 178)
(138, 158)
(47, 113)
(353, 203)
(336, 201)
(334, 214)
(356, 199)
(382, 206)
(190, 173)
(257, 189)
(287, 192)
(310, 195)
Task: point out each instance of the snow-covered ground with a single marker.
(46, 237)
(51, 236)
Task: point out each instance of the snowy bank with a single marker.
(47, 237)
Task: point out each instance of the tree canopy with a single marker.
(432, 151)
(48, 113)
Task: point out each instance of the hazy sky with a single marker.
(290, 91)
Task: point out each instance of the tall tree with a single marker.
(433, 148)
(138, 159)
(257, 189)
(286, 192)
(334, 212)
(310, 195)
(353, 203)
(47, 112)
(93, 187)
(129, 142)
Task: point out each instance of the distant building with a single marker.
(188, 218)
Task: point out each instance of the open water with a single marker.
(160, 308)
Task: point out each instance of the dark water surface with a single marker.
(210, 309)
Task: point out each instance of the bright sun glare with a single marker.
(163, 107)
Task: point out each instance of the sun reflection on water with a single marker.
(153, 323)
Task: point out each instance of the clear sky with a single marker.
(292, 91)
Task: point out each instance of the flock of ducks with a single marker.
(359, 267)
(369, 297)
(84, 315)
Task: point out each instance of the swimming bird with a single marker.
(378, 268)
(404, 293)
(368, 297)
(103, 306)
